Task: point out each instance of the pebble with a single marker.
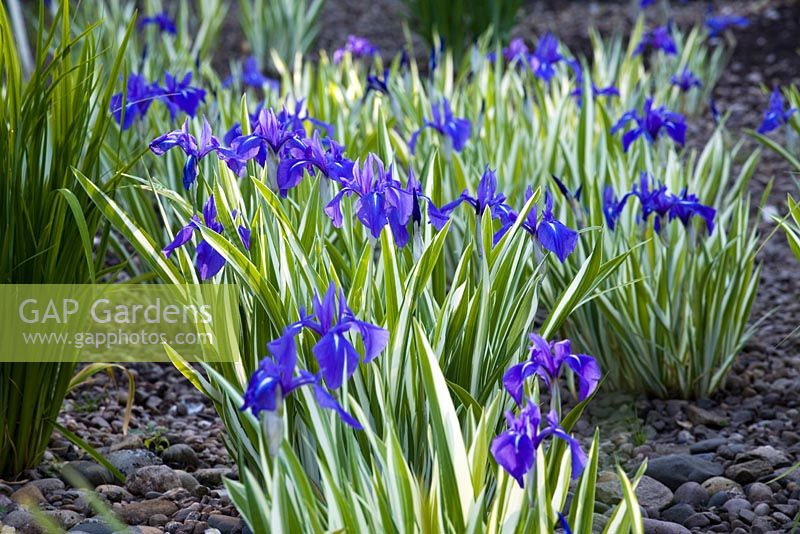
(749, 471)
(153, 478)
(762, 508)
(697, 521)
(138, 513)
(66, 519)
(717, 484)
(180, 456)
(758, 492)
(22, 521)
(678, 513)
(225, 524)
(653, 496)
(691, 493)
(93, 473)
(131, 441)
(28, 495)
(675, 469)
(129, 460)
(700, 416)
(654, 526)
(735, 506)
(707, 445)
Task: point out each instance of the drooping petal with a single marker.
(587, 371)
(515, 453)
(209, 262)
(326, 400)
(181, 238)
(557, 238)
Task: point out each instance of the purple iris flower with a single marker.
(382, 200)
(657, 39)
(547, 360)
(252, 76)
(659, 201)
(195, 149)
(542, 61)
(596, 91)
(456, 130)
(208, 261)
(268, 138)
(335, 354)
(516, 51)
(718, 24)
(139, 95)
(358, 47)
(776, 113)
(182, 95)
(312, 155)
(378, 84)
(295, 120)
(486, 197)
(162, 20)
(515, 449)
(643, 4)
(551, 234)
(650, 124)
(612, 207)
(716, 115)
(686, 80)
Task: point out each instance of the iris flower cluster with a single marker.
(608, 91)
(650, 124)
(550, 233)
(657, 39)
(177, 95)
(718, 24)
(685, 80)
(776, 113)
(208, 261)
(456, 130)
(162, 20)
(658, 201)
(515, 449)
(542, 61)
(357, 47)
(252, 76)
(278, 376)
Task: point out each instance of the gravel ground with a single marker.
(711, 461)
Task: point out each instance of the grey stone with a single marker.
(187, 481)
(131, 441)
(770, 454)
(720, 498)
(153, 478)
(129, 460)
(212, 477)
(66, 519)
(180, 456)
(28, 495)
(22, 521)
(735, 506)
(114, 493)
(749, 471)
(691, 493)
(716, 484)
(759, 492)
(707, 445)
(678, 513)
(94, 474)
(48, 485)
(225, 524)
(138, 513)
(675, 469)
(654, 526)
(653, 496)
(608, 489)
(697, 521)
(762, 508)
(700, 416)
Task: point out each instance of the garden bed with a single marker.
(711, 461)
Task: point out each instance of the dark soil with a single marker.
(712, 460)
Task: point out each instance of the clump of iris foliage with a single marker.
(52, 120)
(394, 237)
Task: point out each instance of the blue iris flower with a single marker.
(718, 24)
(276, 377)
(515, 449)
(651, 123)
(596, 91)
(208, 261)
(546, 56)
(456, 130)
(335, 354)
(139, 95)
(268, 138)
(182, 95)
(685, 80)
(357, 47)
(656, 200)
(776, 113)
(295, 120)
(377, 84)
(314, 156)
(253, 77)
(516, 51)
(546, 360)
(195, 149)
(162, 20)
(657, 39)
